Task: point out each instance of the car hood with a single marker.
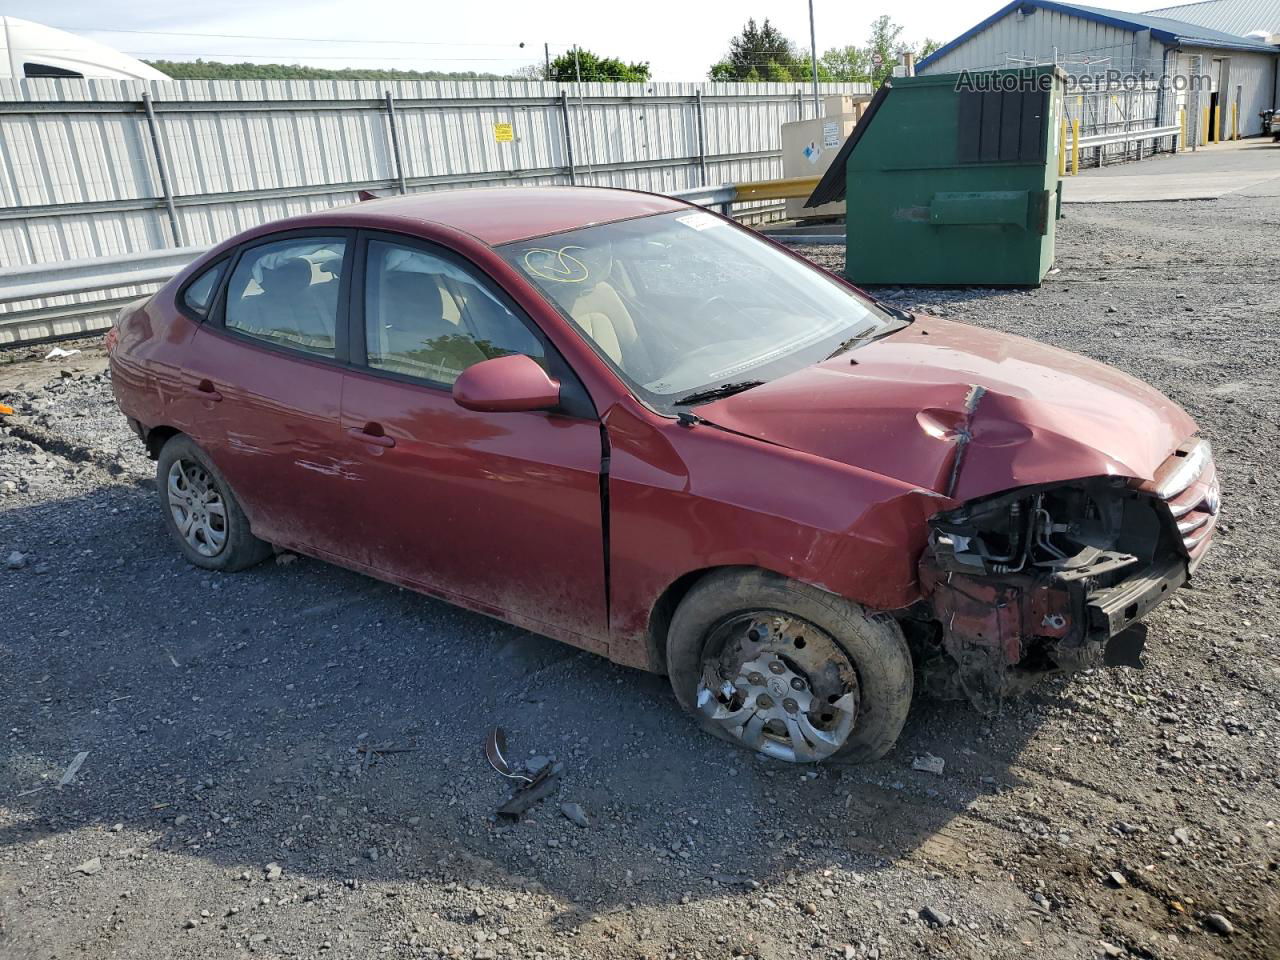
(964, 412)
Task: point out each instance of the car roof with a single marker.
(499, 215)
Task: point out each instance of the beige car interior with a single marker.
(294, 303)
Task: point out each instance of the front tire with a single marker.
(789, 670)
(201, 513)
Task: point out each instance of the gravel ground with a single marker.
(225, 807)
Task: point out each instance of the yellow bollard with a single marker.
(1235, 121)
(1182, 121)
(1204, 126)
(1075, 147)
(1062, 149)
(1215, 131)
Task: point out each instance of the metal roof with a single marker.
(1240, 17)
(1164, 29)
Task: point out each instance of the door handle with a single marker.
(364, 435)
(204, 391)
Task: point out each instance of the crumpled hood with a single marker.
(904, 406)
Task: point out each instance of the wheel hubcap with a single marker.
(198, 509)
(780, 685)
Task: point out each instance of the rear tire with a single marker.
(786, 612)
(200, 511)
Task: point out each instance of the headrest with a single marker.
(292, 276)
(410, 293)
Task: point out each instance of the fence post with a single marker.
(1062, 147)
(395, 141)
(702, 139)
(165, 189)
(568, 137)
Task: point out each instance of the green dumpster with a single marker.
(952, 180)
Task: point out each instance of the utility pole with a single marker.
(813, 51)
(588, 137)
(546, 56)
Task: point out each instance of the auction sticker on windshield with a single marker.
(701, 221)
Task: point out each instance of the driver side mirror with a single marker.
(506, 385)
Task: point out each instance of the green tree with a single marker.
(929, 46)
(760, 51)
(596, 68)
(846, 64)
(884, 41)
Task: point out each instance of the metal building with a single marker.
(1244, 18)
(1210, 73)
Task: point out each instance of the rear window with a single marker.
(286, 293)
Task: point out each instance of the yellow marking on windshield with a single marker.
(556, 265)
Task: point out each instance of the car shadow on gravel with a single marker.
(227, 718)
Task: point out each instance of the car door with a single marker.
(265, 384)
(501, 510)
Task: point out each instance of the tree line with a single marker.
(216, 70)
(760, 52)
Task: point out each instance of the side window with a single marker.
(287, 293)
(429, 318)
(199, 292)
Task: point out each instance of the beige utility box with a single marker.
(809, 146)
(841, 104)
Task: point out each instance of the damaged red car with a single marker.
(640, 428)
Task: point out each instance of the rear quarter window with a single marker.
(198, 296)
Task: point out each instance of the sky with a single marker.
(679, 38)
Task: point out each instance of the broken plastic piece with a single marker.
(495, 749)
(527, 794)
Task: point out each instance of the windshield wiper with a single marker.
(715, 393)
(872, 334)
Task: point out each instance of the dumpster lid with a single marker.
(832, 185)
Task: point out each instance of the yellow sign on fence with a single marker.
(504, 132)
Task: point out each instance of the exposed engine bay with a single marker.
(1039, 581)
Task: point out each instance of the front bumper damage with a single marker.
(1055, 578)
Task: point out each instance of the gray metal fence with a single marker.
(93, 169)
(1105, 113)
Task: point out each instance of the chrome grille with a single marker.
(1188, 483)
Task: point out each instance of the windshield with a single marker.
(687, 307)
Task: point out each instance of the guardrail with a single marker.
(71, 298)
(49, 301)
(727, 194)
(1130, 136)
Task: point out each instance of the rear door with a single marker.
(502, 510)
(264, 386)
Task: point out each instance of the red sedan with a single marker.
(637, 427)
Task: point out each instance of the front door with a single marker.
(502, 510)
(264, 389)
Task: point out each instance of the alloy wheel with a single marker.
(197, 506)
